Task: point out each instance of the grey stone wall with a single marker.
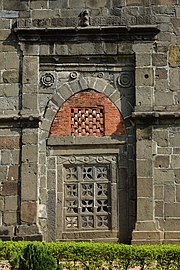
(139, 37)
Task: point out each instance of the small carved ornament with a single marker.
(84, 19)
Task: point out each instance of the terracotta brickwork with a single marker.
(88, 113)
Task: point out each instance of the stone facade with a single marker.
(90, 120)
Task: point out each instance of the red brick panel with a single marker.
(88, 113)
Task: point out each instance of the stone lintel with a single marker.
(70, 140)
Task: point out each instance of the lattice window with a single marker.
(87, 200)
(87, 121)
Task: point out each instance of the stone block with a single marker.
(174, 78)
(29, 178)
(86, 49)
(29, 153)
(144, 76)
(13, 172)
(15, 5)
(57, 100)
(163, 98)
(4, 34)
(3, 173)
(171, 225)
(175, 161)
(174, 56)
(161, 85)
(162, 162)
(30, 49)
(161, 73)
(9, 188)
(172, 210)
(29, 101)
(144, 209)
(27, 230)
(162, 176)
(10, 76)
(172, 235)
(2, 61)
(174, 140)
(143, 149)
(169, 193)
(11, 203)
(11, 90)
(6, 230)
(9, 142)
(30, 70)
(159, 207)
(144, 168)
(159, 192)
(178, 193)
(61, 49)
(133, 2)
(38, 4)
(29, 212)
(143, 59)
(144, 96)
(66, 91)
(51, 176)
(10, 218)
(39, 14)
(177, 175)
(59, 4)
(164, 151)
(159, 59)
(144, 133)
(144, 187)
(12, 60)
(29, 138)
(15, 156)
(161, 137)
(8, 14)
(5, 157)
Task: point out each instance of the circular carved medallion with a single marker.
(47, 79)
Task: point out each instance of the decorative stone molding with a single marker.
(73, 75)
(125, 79)
(47, 79)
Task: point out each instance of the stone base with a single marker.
(28, 232)
(147, 237)
(172, 237)
(155, 237)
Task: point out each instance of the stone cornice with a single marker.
(19, 121)
(156, 115)
(92, 33)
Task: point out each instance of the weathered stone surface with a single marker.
(161, 137)
(144, 76)
(13, 173)
(10, 76)
(174, 56)
(11, 203)
(162, 161)
(9, 188)
(10, 218)
(28, 212)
